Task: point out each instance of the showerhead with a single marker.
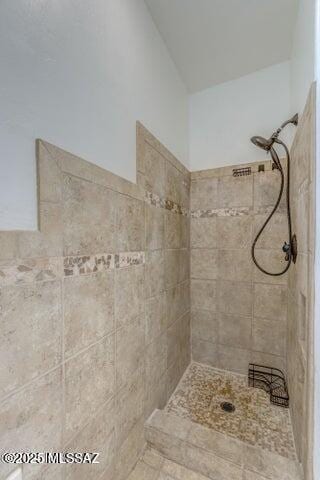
(263, 143)
(266, 144)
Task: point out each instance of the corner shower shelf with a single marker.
(272, 381)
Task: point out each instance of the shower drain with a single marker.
(227, 407)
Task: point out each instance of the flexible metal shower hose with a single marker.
(279, 167)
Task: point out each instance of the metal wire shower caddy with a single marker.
(272, 381)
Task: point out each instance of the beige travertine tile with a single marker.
(130, 224)
(210, 465)
(176, 266)
(204, 294)
(170, 424)
(204, 194)
(129, 294)
(52, 472)
(166, 444)
(89, 383)
(235, 298)
(31, 330)
(72, 165)
(178, 472)
(156, 395)
(270, 301)
(275, 233)
(89, 217)
(47, 242)
(204, 264)
(164, 476)
(235, 191)
(224, 446)
(100, 213)
(176, 186)
(143, 133)
(174, 373)
(252, 476)
(129, 405)
(234, 232)
(154, 227)
(177, 231)
(153, 458)
(142, 471)
(98, 436)
(130, 344)
(31, 420)
(235, 265)
(234, 330)
(88, 310)
(205, 352)
(272, 261)
(49, 175)
(266, 359)
(234, 359)
(301, 220)
(152, 167)
(156, 359)
(130, 451)
(174, 341)
(205, 325)
(178, 301)
(204, 232)
(266, 188)
(155, 273)
(156, 317)
(9, 245)
(269, 336)
(272, 465)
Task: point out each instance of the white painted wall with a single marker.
(303, 54)
(223, 118)
(79, 74)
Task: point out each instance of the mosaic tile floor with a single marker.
(255, 420)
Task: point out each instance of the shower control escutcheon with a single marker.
(286, 249)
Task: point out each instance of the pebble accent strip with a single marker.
(156, 201)
(84, 265)
(222, 212)
(255, 420)
(30, 270)
(53, 268)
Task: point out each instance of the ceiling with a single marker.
(213, 41)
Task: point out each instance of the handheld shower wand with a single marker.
(290, 248)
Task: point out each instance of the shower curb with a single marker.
(212, 453)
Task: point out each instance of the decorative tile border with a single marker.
(54, 268)
(128, 259)
(30, 270)
(222, 212)
(86, 264)
(156, 201)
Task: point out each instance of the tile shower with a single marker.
(104, 308)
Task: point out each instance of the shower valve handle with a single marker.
(286, 249)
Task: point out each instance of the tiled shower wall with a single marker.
(300, 286)
(238, 313)
(95, 320)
